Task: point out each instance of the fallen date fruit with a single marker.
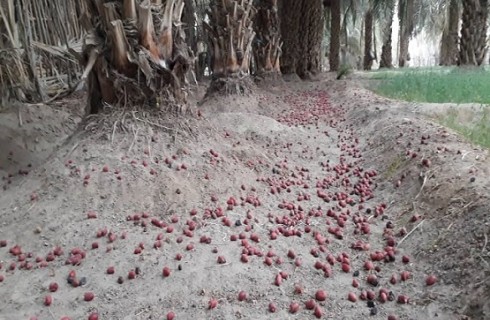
(318, 265)
(355, 283)
(430, 280)
(166, 272)
(393, 279)
(310, 304)
(272, 307)
(213, 303)
(345, 267)
(91, 215)
(298, 262)
(321, 295)
(392, 317)
(48, 300)
(403, 299)
(221, 260)
(15, 250)
(242, 296)
(405, 275)
(131, 274)
(88, 296)
(294, 307)
(170, 315)
(372, 280)
(352, 297)
(53, 287)
(370, 295)
(278, 280)
(363, 295)
(318, 312)
(368, 265)
(268, 261)
(93, 316)
(110, 270)
(298, 289)
(383, 297)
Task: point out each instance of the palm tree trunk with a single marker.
(473, 41)
(406, 15)
(230, 30)
(311, 39)
(290, 33)
(335, 20)
(140, 61)
(189, 24)
(302, 31)
(449, 42)
(267, 43)
(368, 40)
(386, 60)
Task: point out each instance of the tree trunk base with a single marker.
(272, 77)
(232, 85)
(135, 55)
(120, 91)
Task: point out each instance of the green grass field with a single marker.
(443, 85)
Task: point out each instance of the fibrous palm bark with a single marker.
(267, 43)
(449, 41)
(386, 60)
(231, 33)
(290, 27)
(302, 31)
(406, 17)
(473, 41)
(135, 53)
(368, 40)
(335, 25)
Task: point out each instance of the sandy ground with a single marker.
(302, 188)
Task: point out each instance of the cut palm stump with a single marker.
(267, 44)
(231, 33)
(135, 54)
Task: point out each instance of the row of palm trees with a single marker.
(459, 26)
(145, 48)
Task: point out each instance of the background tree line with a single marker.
(133, 51)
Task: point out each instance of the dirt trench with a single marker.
(262, 203)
